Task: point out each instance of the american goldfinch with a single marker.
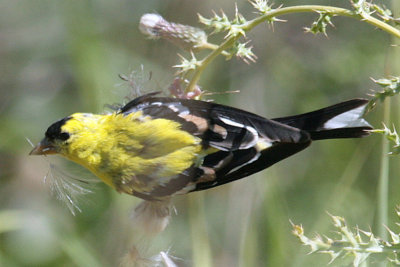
(156, 147)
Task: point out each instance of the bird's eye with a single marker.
(63, 136)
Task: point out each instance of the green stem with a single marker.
(207, 60)
(383, 184)
(336, 11)
(268, 16)
(212, 46)
(202, 256)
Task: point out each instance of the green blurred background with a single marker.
(59, 57)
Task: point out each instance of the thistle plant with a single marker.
(184, 36)
(352, 245)
(236, 44)
(390, 87)
(392, 136)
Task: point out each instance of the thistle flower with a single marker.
(187, 37)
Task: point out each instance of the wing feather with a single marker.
(243, 143)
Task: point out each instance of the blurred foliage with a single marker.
(60, 57)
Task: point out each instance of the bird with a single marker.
(157, 147)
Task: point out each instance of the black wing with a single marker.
(238, 143)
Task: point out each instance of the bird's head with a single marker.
(55, 138)
(62, 133)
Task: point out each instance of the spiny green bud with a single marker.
(184, 36)
(320, 25)
(391, 87)
(392, 136)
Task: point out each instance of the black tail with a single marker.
(343, 120)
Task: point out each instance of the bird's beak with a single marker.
(45, 147)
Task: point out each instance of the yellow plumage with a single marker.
(131, 145)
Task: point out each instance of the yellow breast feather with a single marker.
(118, 147)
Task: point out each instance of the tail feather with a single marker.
(354, 132)
(343, 120)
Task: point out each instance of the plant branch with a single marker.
(269, 16)
(207, 60)
(336, 11)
